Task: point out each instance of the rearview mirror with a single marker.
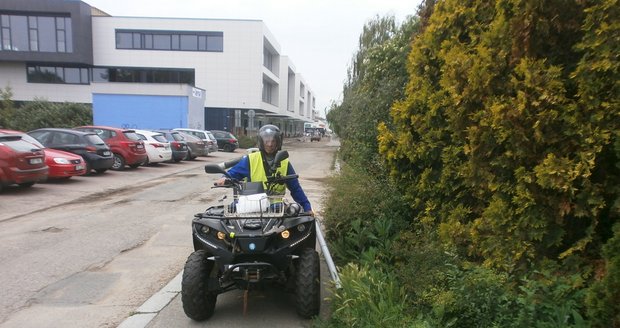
(280, 156)
(214, 169)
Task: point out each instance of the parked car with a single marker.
(206, 136)
(156, 145)
(196, 147)
(61, 164)
(96, 154)
(126, 146)
(212, 142)
(177, 144)
(225, 140)
(21, 163)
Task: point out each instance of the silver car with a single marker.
(204, 135)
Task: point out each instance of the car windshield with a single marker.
(211, 136)
(131, 135)
(32, 140)
(177, 137)
(160, 138)
(94, 139)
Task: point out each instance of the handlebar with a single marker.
(281, 179)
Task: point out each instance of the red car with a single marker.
(62, 165)
(127, 147)
(21, 162)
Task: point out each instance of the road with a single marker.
(87, 252)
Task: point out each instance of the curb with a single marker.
(151, 307)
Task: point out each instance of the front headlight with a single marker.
(60, 160)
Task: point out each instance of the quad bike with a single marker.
(256, 241)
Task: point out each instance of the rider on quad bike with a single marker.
(258, 240)
(256, 166)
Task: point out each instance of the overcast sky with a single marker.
(319, 36)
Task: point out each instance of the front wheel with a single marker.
(198, 301)
(308, 284)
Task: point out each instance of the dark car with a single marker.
(61, 164)
(196, 147)
(21, 162)
(226, 141)
(127, 148)
(93, 149)
(177, 144)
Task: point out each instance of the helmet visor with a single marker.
(268, 135)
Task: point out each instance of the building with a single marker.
(142, 72)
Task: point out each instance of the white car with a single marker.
(157, 146)
(204, 135)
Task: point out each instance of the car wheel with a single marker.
(308, 284)
(147, 162)
(100, 170)
(26, 184)
(228, 148)
(198, 301)
(133, 166)
(119, 163)
(188, 156)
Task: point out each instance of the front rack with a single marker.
(258, 205)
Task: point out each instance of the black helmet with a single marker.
(269, 131)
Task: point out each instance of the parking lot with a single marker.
(88, 251)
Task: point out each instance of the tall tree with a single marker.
(493, 140)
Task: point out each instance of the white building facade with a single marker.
(225, 74)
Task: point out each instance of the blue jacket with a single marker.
(242, 170)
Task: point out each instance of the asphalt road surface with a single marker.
(88, 251)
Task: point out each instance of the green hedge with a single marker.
(42, 114)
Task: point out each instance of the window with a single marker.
(189, 42)
(61, 75)
(170, 40)
(267, 59)
(143, 75)
(267, 90)
(36, 33)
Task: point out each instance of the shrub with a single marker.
(362, 215)
(44, 114)
(603, 297)
(369, 297)
(246, 142)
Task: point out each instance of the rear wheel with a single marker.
(100, 170)
(26, 184)
(198, 301)
(133, 166)
(308, 284)
(119, 163)
(228, 148)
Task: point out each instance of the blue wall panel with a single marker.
(140, 111)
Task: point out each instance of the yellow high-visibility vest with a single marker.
(257, 172)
